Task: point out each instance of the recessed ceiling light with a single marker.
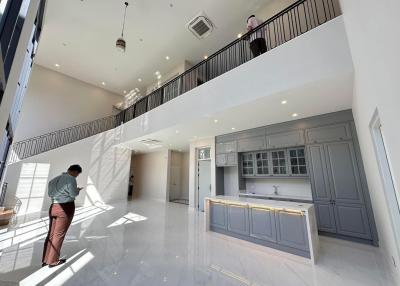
(177, 131)
(141, 39)
(215, 120)
(139, 80)
(157, 73)
(103, 83)
(233, 128)
(167, 58)
(239, 35)
(205, 57)
(159, 76)
(124, 91)
(284, 101)
(57, 65)
(295, 115)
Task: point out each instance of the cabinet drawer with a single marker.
(329, 133)
(287, 139)
(252, 144)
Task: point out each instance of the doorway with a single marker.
(203, 176)
(383, 158)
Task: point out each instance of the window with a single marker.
(297, 161)
(204, 154)
(262, 163)
(248, 164)
(279, 162)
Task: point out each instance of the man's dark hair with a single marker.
(250, 17)
(75, 168)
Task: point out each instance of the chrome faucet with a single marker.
(275, 189)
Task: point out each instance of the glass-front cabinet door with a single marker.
(262, 163)
(297, 159)
(248, 164)
(279, 164)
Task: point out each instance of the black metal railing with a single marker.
(295, 20)
(46, 142)
(3, 194)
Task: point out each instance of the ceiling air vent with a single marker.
(201, 26)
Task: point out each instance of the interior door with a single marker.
(204, 182)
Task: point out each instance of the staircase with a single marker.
(295, 20)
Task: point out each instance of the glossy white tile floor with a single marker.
(150, 243)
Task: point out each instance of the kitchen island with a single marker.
(286, 226)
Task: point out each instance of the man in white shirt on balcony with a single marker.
(258, 45)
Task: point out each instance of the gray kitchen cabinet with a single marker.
(286, 139)
(262, 224)
(247, 164)
(325, 216)
(352, 220)
(337, 190)
(231, 159)
(297, 162)
(344, 176)
(319, 173)
(220, 160)
(262, 163)
(292, 230)
(328, 133)
(218, 216)
(251, 144)
(238, 219)
(224, 160)
(226, 147)
(279, 163)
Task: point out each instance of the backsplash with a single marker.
(285, 187)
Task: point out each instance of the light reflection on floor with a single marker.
(172, 248)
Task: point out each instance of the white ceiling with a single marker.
(324, 96)
(80, 36)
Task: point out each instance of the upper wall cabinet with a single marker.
(329, 133)
(252, 144)
(286, 139)
(226, 147)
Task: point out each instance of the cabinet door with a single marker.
(218, 215)
(252, 144)
(297, 162)
(328, 133)
(262, 161)
(262, 224)
(279, 163)
(231, 159)
(352, 220)
(292, 230)
(325, 217)
(319, 174)
(286, 139)
(344, 178)
(226, 147)
(247, 164)
(220, 160)
(238, 219)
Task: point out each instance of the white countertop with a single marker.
(284, 205)
(277, 196)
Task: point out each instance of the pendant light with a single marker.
(121, 43)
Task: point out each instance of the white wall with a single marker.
(185, 163)
(105, 172)
(372, 28)
(207, 142)
(272, 8)
(151, 175)
(55, 101)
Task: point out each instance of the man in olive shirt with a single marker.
(62, 190)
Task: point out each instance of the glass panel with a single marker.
(303, 170)
(274, 155)
(283, 170)
(293, 153)
(302, 161)
(300, 152)
(281, 154)
(282, 162)
(276, 170)
(293, 161)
